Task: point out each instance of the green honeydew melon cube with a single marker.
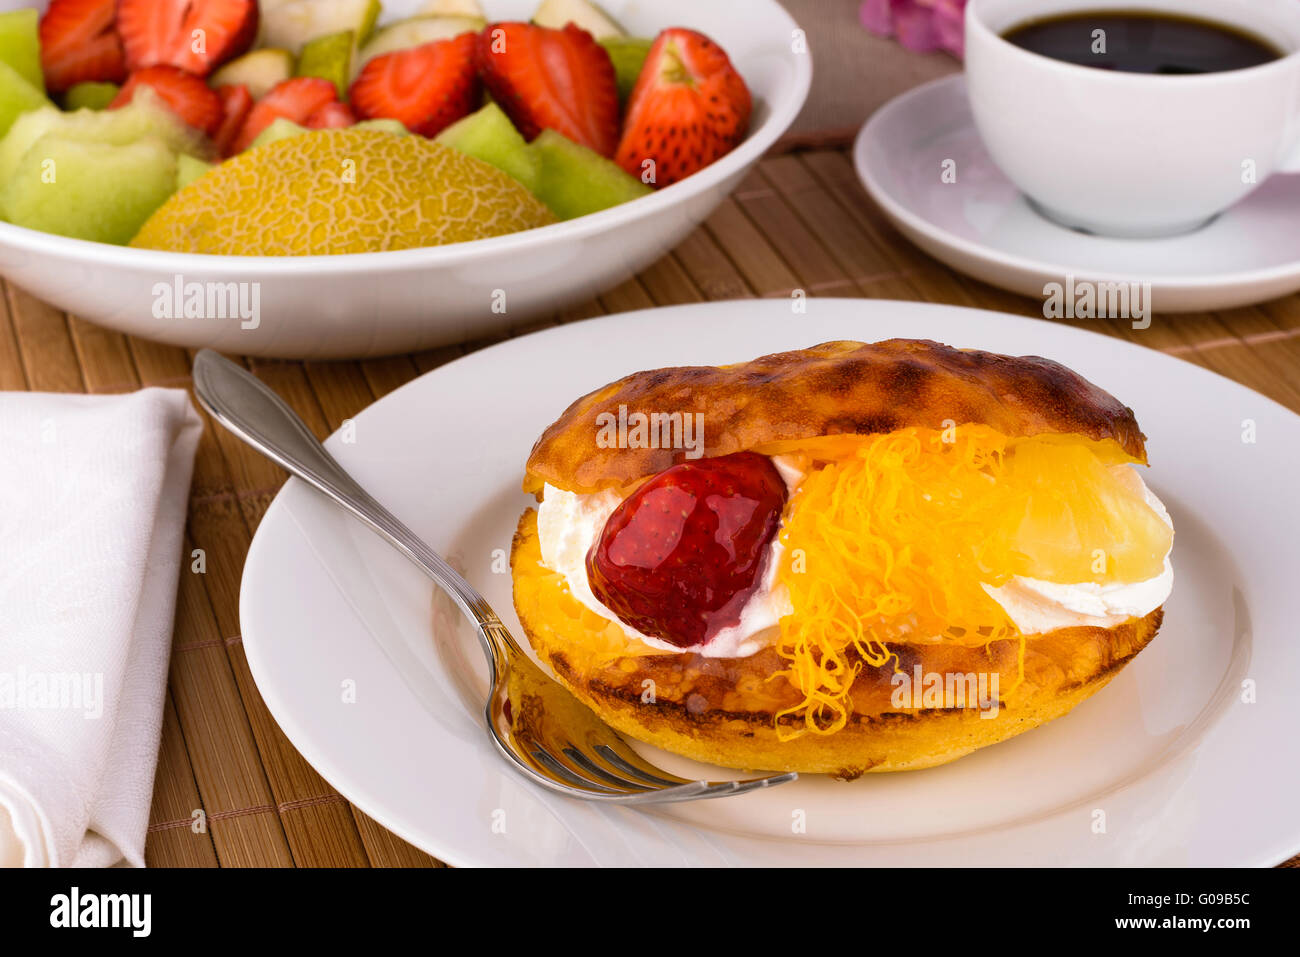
(87, 190)
(488, 135)
(17, 97)
(575, 181)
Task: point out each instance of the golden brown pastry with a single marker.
(844, 559)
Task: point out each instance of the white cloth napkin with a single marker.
(93, 492)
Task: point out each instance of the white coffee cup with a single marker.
(1127, 154)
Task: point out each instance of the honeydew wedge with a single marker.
(17, 97)
(259, 71)
(574, 181)
(188, 169)
(90, 96)
(97, 191)
(20, 45)
(330, 58)
(294, 24)
(143, 118)
(583, 13)
(489, 135)
(414, 32)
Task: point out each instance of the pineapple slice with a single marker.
(1072, 518)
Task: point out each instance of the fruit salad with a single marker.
(184, 124)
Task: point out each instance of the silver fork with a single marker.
(539, 727)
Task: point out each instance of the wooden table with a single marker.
(801, 221)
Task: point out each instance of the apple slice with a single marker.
(582, 13)
(414, 32)
(330, 58)
(628, 55)
(258, 70)
(294, 24)
(450, 8)
(20, 45)
(90, 96)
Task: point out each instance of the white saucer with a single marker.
(982, 225)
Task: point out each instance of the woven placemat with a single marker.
(230, 788)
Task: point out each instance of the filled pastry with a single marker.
(849, 558)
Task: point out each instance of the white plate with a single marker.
(982, 225)
(1185, 773)
(375, 303)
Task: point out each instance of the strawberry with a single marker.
(427, 88)
(689, 108)
(295, 99)
(236, 101)
(552, 79)
(184, 94)
(195, 35)
(331, 116)
(79, 44)
(678, 559)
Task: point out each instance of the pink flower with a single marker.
(920, 25)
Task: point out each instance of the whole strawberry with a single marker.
(678, 559)
(689, 108)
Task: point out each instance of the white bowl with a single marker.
(370, 304)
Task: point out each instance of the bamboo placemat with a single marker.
(800, 221)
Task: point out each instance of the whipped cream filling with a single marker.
(569, 523)
(1038, 606)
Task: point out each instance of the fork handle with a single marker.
(245, 405)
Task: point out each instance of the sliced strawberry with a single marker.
(295, 99)
(689, 108)
(679, 558)
(552, 79)
(427, 88)
(331, 116)
(236, 101)
(79, 44)
(184, 93)
(195, 35)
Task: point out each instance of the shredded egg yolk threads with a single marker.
(891, 543)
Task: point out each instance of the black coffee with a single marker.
(1143, 43)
